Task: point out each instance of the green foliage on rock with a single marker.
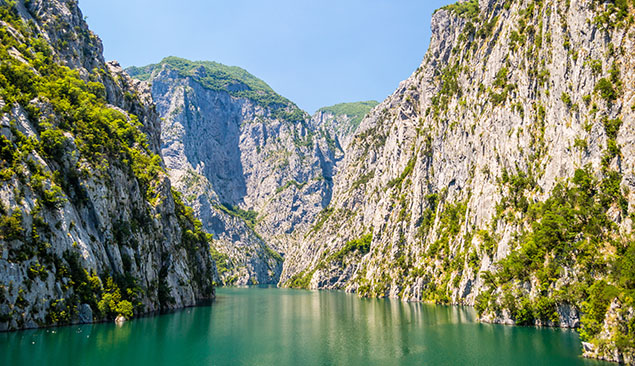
(466, 9)
(221, 259)
(606, 90)
(81, 138)
(231, 79)
(355, 111)
(615, 13)
(594, 308)
(301, 280)
(569, 231)
(111, 303)
(397, 182)
(323, 217)
(360, 245)
(290, 183)
(250, 217)
(11, 226)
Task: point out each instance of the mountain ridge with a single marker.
(239, 161)
(499, 175)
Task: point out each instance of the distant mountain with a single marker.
(233, 80)
(342, 120)
(499, 175)
(246, 159)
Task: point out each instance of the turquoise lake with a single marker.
(270, 326)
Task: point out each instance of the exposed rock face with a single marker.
(87, 210)
(500, 174)
(339, 122)
(245, 165)
(617, 318)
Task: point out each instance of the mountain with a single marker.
(90, 228)
(500, 174)
(246, 159)
(341, 120)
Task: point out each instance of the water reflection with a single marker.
(265, 326)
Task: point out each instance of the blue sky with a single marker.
(316, 53)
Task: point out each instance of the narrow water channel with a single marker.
(270, 326)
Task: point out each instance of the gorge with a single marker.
(499, 175)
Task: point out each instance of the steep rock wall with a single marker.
(255, 172)
(90, 226)
(499, 175)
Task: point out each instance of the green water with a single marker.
(269, 326)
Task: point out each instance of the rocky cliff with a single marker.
(500, 175)
(339, 122)
(90, 228)
(247, 160)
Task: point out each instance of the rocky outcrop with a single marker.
(90, 227)
(247, 160)
(499, 175)
(609, 345)
(339, 122)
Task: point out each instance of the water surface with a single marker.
(269, 326)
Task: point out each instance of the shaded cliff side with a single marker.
(247, 160)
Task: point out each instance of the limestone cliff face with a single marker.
(247, 160)
(90, 227)
(500, 174)
(339, 122)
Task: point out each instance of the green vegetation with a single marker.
(324, 215)
(605, 88)
(611, 127)
(426, 220)
(355, 111)
(609, 88)
(273, 254)
(195, 241)
(249, 216)
(11, 226)
(448, 88)
(594, 308)
(615, 14)
(596, 66)
(111, 303)
(501, 78)
(396, 182)
(568, 230)
(72, 118)
(221, 259)
(500, 90)
(290, 183)
(365, 178)
(301, 280)
(231, 79)
(451, 218)
(468, 9)
(450, 83)
(119, 297)
(566, 99)
(359, 245)
(102, 135)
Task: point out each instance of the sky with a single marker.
(315, 53)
